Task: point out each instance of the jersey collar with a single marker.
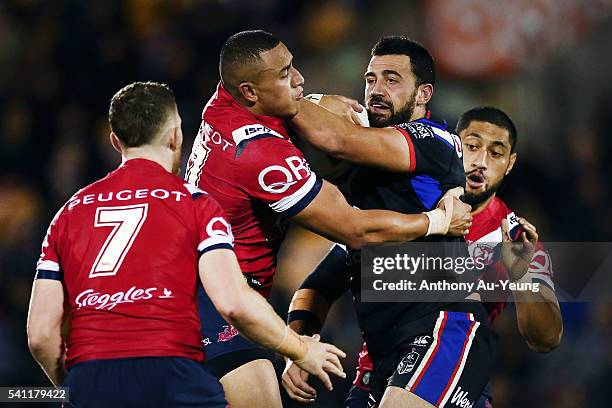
(433, 121)
(225, 98)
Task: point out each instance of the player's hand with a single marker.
(322, 358)
(342, 106)
(294, 381)
(461, 217)
(517, 255)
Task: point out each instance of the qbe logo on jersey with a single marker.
(277, 179)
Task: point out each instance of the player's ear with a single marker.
(115, 142)
(175, 140)
(248, 92)
(424, 94)
(510, 163)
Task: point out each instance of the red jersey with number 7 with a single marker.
(126, 249)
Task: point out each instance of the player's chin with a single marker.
(290, 111)
(476, 192)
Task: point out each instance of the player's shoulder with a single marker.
(500, 210)
(431, 133)
(237, 123)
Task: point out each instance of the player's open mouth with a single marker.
(476, 180)
(378, 107)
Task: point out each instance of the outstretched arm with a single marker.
(385, 148)
(331, 216)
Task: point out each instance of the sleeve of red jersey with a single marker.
(541, 268)
(273, 170)
(431, 149)
(214, 229)
(48, 265)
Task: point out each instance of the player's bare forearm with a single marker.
(321, 128)
(258, 321)
(49, 354)
(384, 226)
(331, 216)
(308, 302)
(44, 328)
(382, 148)
(539, 319)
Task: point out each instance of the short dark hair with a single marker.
(491, 115)
(421, 61)
(241, 48)
(139, 110)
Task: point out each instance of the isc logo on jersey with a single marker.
(277, 179)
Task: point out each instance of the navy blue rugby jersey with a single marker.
(435, 167)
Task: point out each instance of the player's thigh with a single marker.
(252, 385)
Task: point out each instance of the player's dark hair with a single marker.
(491, 115)
(243, 48)
(139, 110)
(422, 63)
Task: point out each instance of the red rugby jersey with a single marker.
(127, 248)
(250, 166)
(485, 235)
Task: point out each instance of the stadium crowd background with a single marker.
(544, 62)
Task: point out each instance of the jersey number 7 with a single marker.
(126, 222)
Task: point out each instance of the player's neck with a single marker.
(150, 153)
(418, 113)
(481, 207)
(256, 110)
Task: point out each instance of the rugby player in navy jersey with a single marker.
(489, 139)
(406, 167)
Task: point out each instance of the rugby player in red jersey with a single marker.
(244, 158)
(120, 265)
(489, 138)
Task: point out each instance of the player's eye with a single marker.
(391, 81)
(471, 147)
(496, 155)
(370, 81)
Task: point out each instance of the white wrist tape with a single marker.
(439, 221)
(363, 117)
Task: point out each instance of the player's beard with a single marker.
(475, 199)
(397, 118)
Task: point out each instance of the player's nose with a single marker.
(480, 161)
(378, 88)
(297, 78)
